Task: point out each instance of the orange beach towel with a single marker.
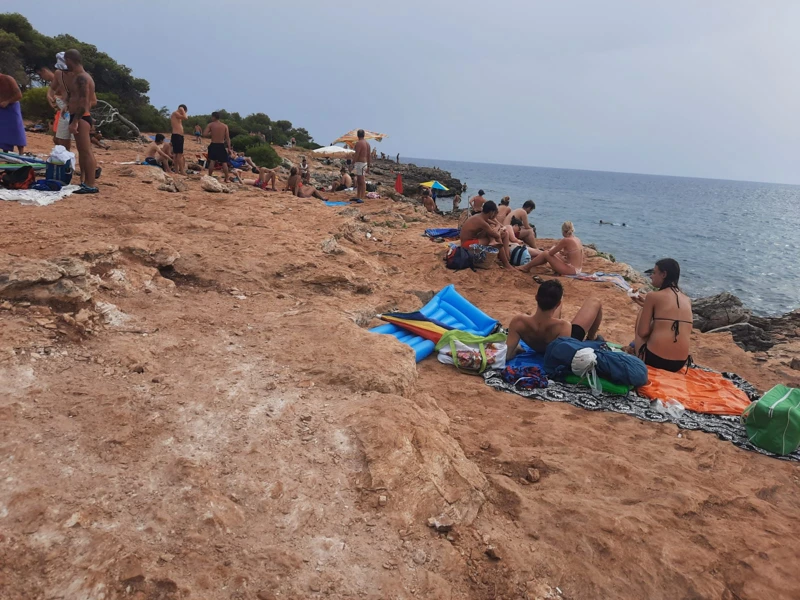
(697, 390)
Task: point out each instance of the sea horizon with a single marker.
(498, 164)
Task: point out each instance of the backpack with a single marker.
(458, 258)
(20, 179)
(773, 421)
(48, 185)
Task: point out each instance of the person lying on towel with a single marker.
(483, 229)
(156, 156)
(664, 324)
(546, 324)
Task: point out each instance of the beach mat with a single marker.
(725, 427)
(447, 233)
(698, 390)
(335, 203)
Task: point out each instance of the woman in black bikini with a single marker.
(664, 325)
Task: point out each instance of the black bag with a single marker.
(19, 179)
(458, 258)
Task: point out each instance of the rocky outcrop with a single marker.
(718, 311)
(726, 313)
(386, 172)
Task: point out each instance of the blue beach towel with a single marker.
(335, 203)
(447, 233)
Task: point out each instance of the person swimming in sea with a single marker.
(664, 324)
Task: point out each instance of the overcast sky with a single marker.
(705, 89)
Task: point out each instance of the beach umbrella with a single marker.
(333, 150)
(434, 185)
(351, 137)
(418, 324)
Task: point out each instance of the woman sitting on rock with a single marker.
(565, 258)
(664, 325)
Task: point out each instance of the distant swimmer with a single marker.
(610, 223)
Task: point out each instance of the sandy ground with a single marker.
(194, 409)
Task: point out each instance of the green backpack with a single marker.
(773, 421)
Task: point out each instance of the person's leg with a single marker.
(559, 266)
(85, 153)
(179, 166)
(211, 164)
(538, 258)
(589, 317)
(505, 253)
(226, 172)
(527, 236)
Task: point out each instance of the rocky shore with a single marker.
(192, 407)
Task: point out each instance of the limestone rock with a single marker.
(331, 246)
(155, 174)
(210, 184)
(719, 311)
(748, 337)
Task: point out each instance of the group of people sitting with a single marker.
(664, 322)
(510, 231)
(663, 325)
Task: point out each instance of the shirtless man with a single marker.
(295, 185)
(484, 229)
(198, 134)
(305, 172)
(219, 146)
(546, 324)
(344, 182)
(176, 119)
(156, 155)
(80, 100)
(476, 203)
(363, 161)
(456, 202)
(527, 232)
(566, 257)
(265, 177)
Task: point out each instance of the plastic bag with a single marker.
(469, 357)
(671, 407)
(60, 155)
(583, 365)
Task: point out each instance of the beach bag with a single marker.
(59, 171)
(472, 353)
(483, 257)
(19, 179)
(458, 258)
(773, 421)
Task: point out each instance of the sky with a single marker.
(688, 88)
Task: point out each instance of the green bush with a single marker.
(35, 106)
(264, 155)
(242, 142)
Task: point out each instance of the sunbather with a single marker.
(155, 155)
(483, 229)
(265, 178)
(527, 231)
(565, 258)
(297, 188)
(504, 209)
(664, 325)
(429, 203)
(476, 203)
(344, 182)
(546, 324)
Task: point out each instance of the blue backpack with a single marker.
(616, 367)
(458, 258)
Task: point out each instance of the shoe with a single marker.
(85, 189)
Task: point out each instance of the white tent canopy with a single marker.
(333, 150)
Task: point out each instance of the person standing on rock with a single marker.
(12, 129)
(176, 139)
(80, 100)
(362, 160)
(219, 146)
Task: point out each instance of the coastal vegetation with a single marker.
(24, 50)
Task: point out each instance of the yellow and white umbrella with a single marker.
(351, 137)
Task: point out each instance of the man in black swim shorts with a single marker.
(546, 325)
(218, 148)
(176, 120)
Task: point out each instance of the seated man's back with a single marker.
(539, 330)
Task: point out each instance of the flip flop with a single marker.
(538, 279)
(97, 172)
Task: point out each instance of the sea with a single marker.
(736, 236)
